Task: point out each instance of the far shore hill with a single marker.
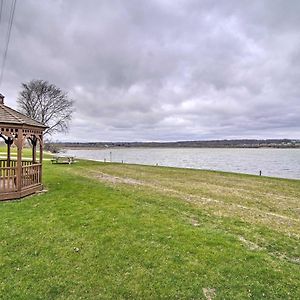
(240, 143)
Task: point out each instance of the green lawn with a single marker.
(116, 231)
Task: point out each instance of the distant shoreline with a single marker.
(148, 147)
(243, 143)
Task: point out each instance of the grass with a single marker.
(114, 231)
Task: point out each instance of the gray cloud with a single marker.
(164, 70)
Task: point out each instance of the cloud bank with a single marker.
(164, 70)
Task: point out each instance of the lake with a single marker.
(283, 163)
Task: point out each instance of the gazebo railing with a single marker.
(30, 175)
(4, 163)
(8, 181)
(13, 163)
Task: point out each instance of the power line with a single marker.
(10, 23)
(1, 7)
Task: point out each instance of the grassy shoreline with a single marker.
(118, 231)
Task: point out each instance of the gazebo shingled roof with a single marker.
(11, 116)
(20, 177)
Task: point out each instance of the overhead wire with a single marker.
(10, 23)
(1, 8)
(1, 31)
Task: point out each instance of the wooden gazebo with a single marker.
(19, 177)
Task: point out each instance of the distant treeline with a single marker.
(270, 143)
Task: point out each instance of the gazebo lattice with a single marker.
(20, 177)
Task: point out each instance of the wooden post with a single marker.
(19, 159)
(34, 142)
(9, 143)
(8, 151)
(41, 157)
(34, 154)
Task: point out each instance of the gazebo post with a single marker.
(8, 152)
(8, 143)
(34, 141)
(41, 155)
(19, 160)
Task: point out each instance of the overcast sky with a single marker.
(158, 70)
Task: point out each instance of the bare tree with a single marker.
(46, 103)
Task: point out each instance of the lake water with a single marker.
(272, 162)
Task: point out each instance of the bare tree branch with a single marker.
(47, 104)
